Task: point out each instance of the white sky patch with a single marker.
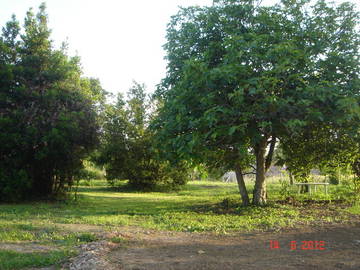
(118, 41)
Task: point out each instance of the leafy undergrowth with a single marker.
(198, 207)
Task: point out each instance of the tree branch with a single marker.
(270, 153)
(249, 173)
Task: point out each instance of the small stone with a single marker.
(201, 252)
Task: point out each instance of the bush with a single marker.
(285, 189)
(13, 185)
(334, 179)
(159, 175)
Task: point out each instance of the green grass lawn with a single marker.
(198, 207)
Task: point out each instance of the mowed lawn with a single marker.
(198, 207)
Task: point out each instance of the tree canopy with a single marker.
(242, 77)
(47, 111)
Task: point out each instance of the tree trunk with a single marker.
(291, 178)
(259, 195)
(242, 188)
(270, 154)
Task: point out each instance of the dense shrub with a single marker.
(334, 179)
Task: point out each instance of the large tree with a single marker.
(242, 77)
(47, 117)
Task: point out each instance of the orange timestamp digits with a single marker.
(308, 245)
(300, 245)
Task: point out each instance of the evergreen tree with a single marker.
(47, 122)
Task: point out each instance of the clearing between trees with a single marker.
(201, 226)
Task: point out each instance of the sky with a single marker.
(118, 40)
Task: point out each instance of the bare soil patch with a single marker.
(81, 228)
(92, 257)
(26, 247)
(169, 250)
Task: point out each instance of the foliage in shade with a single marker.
(243, 77)
(127, 151)
(47, 112)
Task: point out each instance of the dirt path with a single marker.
(167, 250)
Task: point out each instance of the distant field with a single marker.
(48, 229)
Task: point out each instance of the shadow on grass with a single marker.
(130, 205)
(194, 190)
(95, 189)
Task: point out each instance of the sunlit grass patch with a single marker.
(13, 232)
(11, 260)
(355, 209)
